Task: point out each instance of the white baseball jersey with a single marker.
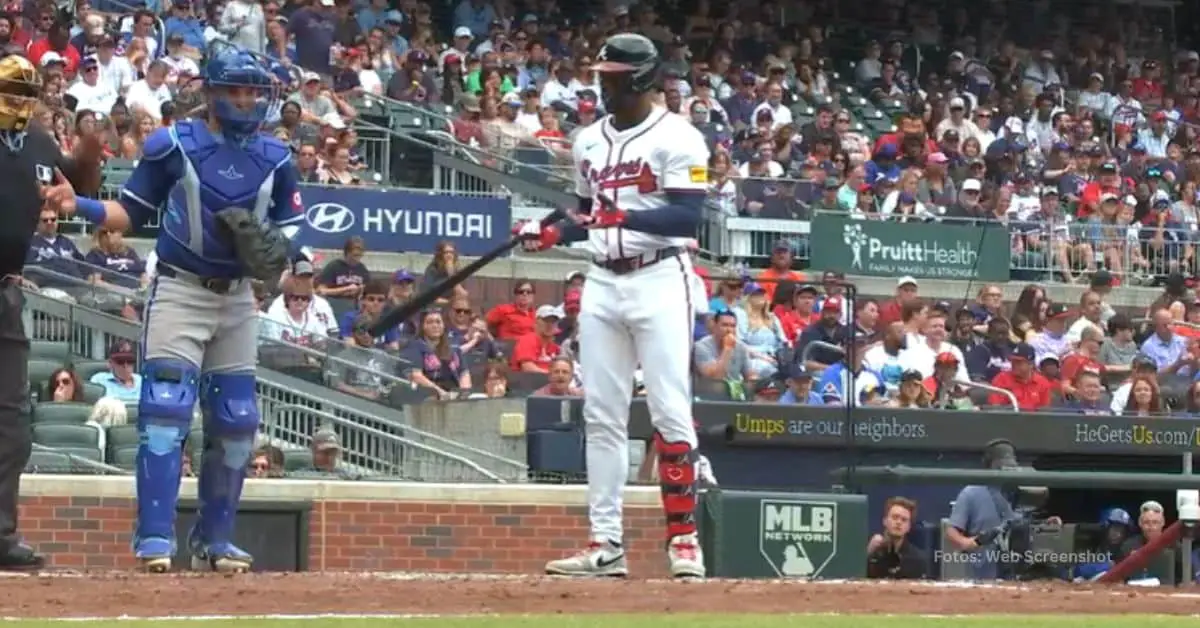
(634, 168)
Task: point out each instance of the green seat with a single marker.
(85, 369)
(123, 457)
(40, 371)
(131, 413)
(48, 462)
(92, 393)
(67, 412)
(297, 460)
(66, 435)
(122, 436)
(49, 350)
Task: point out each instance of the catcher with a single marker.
(231, 205)
(31, 166)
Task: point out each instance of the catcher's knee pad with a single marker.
(677, 477)
(230, 415)
(165, 407)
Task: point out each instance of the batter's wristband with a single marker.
(91, 209)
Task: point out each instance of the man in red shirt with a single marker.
(1084, 358)
(800, 315)
(510, 321)
(1031, 388)
(892, 311)
(534, 352)
(58, 40)
(1148, 87)
(1108, 182)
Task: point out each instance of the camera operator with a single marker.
(983, 518)
(889, 554)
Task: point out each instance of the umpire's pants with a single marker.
(15, 436)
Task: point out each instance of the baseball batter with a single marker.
(231, 203)
(640, 175)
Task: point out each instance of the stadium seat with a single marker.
(39, 373)
(66, 435)
(526, 382)
(124, 457)
(87, 453)
(122, 436)
(85, 369)
(48, 350)
(48, 462)
(92, 393)
(66, 412)
(297, 460)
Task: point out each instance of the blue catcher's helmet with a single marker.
(1117, 516)
(239, 113)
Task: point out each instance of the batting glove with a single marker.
(534, 238)
(606, 214)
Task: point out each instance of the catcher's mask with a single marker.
(20, 87)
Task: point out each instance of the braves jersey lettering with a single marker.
(635, 168)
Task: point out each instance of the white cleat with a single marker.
(599, 560)
(685, 558)
(157, 564)
(221, 564)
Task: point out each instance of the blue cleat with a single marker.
(219, 557)
(154, 553)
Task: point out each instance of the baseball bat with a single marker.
(422, 300)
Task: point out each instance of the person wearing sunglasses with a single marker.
(120, 381)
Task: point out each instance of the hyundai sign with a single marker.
(394, 221)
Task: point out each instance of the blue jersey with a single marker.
(194, 174)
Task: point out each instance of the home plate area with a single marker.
(117, 594)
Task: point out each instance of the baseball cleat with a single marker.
(154, 554)
(599, 560)
(221, 558)
(684, 557)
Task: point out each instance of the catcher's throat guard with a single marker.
(262, 248)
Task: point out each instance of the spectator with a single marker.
(183, 22)
(495, 381)
(370, 304)
(120, 381)
(1090, 316)
(315, 104)
(1087, 390)
(534, 350)
(963, 334)
(54, 253)
(115, 70)
(1119, 349)
(114, 262)
(561, 380)
(146, 97)
(345, 278)
(760, 331)
(1143, 367)
(911, 392)
(1052, 340)
(568, 327)
(444, 263)
(89, 91)
(1167, 349)
(468, 333)
(1085, 357)
(327, 452)
(267, 462)
(835, 381)
(1144, 399)
(55, 46)
(989, 358)
(906, 292)
(181, 67)
(436, 364)
(800, 388)
(244, 25)
(300, 280)
(300, 321)
(357, 370)
(796, 314)
(721, 357)
(63, 386)
(337, 171)
(829, 330)
(510, 321)
(312, 27)
(1030, 387)
(890, 359)
(780, 269)
(913, 318)
(922, 353)
(944, 387)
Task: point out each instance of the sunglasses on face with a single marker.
(525, 291)
(462, 311)
(299, 297)
(49, 221)
(123, 361)
(261, 467)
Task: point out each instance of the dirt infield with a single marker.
(137, 595)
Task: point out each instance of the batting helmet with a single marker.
(1117, 516)
(633, 57)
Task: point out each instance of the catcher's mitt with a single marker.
(262, 248)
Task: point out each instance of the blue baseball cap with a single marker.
(1022, 351)
(403, 276)
(754, 288)
(797, 371)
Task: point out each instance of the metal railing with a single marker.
(395, 454)
(89, 332)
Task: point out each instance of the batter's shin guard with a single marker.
(677, 475)
(230, 425)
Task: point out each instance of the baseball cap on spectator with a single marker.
(573, 275)
(548, 311)
(303, 268)
(938, 158)
(1022, 351)
(831, 183)
(1151, 505)
(403, 276)
(1108, 198)
(703, 81)
(120, 350)
(1096, 76)
(748, 78)
(452, 59)
(463, 31)
(907, 280)
(1049, 191)
(1161, 202)
(887, 150)
(781, 246)
(309, 77)
(1047, 359)
(951, 135)
(1131, 200)
(1102, 279)
(911, 375)
(946, 358)
(89, 62)
(754, 288)
(957, 56)
(1057, 310)
(956, 102)
(808, 287)
(325, 439)
(52, 57)
(512, 99)
(1159, 116)
(394, 17)
(1143, 362)
(798, 371)
(1137, 147)
(865, 187)
(833, 304)
(972, 185)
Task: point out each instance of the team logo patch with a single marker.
(698, 174)
(45, 174)
(297, 204)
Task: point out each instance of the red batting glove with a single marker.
(606, 214)
(537, 238)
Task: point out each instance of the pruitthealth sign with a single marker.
(890, 248)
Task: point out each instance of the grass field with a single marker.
(645, 621)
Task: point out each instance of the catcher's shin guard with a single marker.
(164, 415)
(230, 425)
(677, 477)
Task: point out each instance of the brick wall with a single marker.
(93, 532)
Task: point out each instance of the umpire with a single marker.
(31, 163)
